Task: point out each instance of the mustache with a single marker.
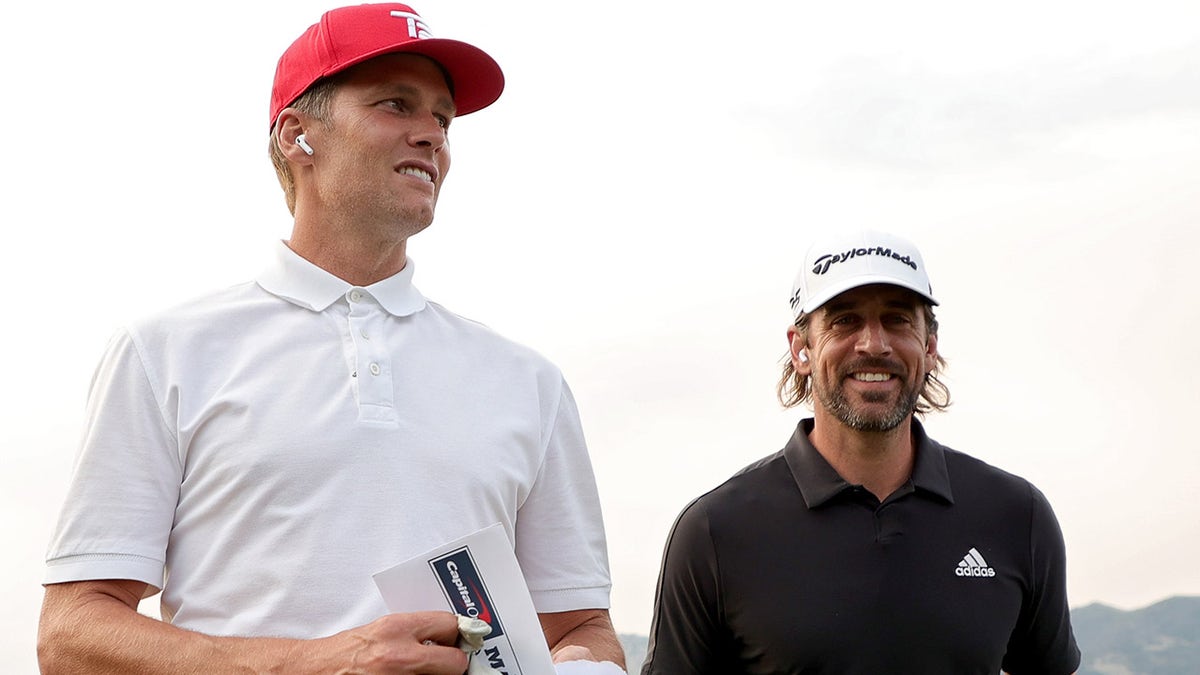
(873, 363)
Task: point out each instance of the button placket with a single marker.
(357, 325)
(374, 382)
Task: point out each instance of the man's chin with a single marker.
(879, 412)
(413, 220)
(876, 425)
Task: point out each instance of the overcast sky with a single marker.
(635, 207)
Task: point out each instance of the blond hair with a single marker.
(314, 103)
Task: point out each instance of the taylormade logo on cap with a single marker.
(821, 265)
(842, 262)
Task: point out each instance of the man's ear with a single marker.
(931, 352)
(288, 128)
(798, 349)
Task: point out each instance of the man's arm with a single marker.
(582, 634)
(688, 632)
(94, 627)
(1043, 640)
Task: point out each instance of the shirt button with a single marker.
(365, 336)
(374, 368)
(355, 296)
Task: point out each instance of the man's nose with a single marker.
(873, 339)
(428, 132)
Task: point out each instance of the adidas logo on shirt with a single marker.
(973, 565)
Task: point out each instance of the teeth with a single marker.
(419, 173)
(872, 377)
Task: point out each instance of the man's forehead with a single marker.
(887, 294)
(400, 71)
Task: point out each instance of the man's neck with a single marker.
(348, 257)
(879, 461)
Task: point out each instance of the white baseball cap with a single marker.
(846, 260)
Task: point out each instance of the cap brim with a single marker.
(851, 283)
(475, 76)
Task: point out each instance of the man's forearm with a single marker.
(603, 644)
(96, 633)
(93, 627)
(591, 629)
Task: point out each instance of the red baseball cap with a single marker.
(350, 35)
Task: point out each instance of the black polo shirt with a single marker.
(787, 568)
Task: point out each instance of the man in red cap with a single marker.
(259, 453)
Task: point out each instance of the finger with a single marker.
(442, 659)
(436, 627)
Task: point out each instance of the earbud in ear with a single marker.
(802, 356)
(303, 143)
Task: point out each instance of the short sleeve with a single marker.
(560, 539)
(687, 633)
(120, 505)
(1043, 642)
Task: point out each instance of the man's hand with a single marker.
(418, 642)
(576, 660)
(573, 653)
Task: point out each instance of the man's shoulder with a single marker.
(744, 507)
(970, 475)
(216, 309)
(476, 328)
(746, 486)
(476, 335)
(757, 471)
(206, 306)
(181, 332)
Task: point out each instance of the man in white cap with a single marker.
(864, 546)
(258, 454)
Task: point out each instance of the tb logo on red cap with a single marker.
(416, 25)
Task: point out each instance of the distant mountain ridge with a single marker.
(1162, 639)
(1156, 640)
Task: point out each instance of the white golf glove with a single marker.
(471, 633)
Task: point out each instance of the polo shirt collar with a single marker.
(819, 482)
(302, 283)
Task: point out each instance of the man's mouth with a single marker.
(872, 377)
(415, 171)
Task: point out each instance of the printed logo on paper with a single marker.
(465, 588)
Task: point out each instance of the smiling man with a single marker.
(259, 453)
(864, 546)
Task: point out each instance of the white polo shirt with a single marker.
(259, 453)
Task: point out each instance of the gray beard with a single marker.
(834, 400)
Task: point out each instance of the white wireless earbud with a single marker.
(303, 143)
(802, 356)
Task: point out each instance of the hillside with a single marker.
(1161, 639)
(1156, 640)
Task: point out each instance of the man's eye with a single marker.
(443, 121)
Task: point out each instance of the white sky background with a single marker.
(635, 207)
